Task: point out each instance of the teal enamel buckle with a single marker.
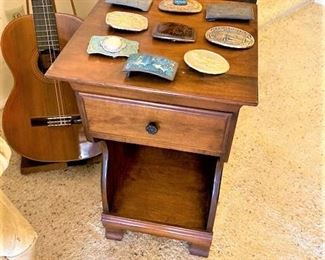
(151, 64)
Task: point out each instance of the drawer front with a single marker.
(164, 126)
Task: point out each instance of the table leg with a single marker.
(199, 250)
(115, 234)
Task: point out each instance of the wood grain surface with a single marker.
(34, 96)
(238, 86)
(167, 192)
(183, 129)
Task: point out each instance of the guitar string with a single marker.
(52, 56)
(57, 83)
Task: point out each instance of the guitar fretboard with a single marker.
(45, 25)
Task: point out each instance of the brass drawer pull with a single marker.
(152, 128)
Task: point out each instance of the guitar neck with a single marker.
(45, 25)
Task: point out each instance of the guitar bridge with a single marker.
(56, 121)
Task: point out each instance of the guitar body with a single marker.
(35, 96)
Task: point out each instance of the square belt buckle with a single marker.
(143, 5)
(97, 46)
(174, 32)
(151, 64)
(229, 10)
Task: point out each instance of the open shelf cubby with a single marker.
(160, 185)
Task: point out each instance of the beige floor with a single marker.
(270, 204)
(271, 10)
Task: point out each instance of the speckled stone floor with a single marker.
(272, 10)
(271, 202)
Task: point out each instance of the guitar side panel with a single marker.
(35, 96)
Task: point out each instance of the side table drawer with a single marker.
(158, 125)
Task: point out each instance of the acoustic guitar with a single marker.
(40, 118)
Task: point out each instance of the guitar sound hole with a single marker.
(46, 58)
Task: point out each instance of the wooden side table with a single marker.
(165, 142)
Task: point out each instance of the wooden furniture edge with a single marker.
(200, 241)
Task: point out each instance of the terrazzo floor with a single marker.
(270, 205)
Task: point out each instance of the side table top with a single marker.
(104, 75)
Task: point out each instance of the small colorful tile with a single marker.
(191, 6)
(156, 65)
(174, 32)
(206, 61)
(180, 2)
(143, 5)
(230, 37)
(113, 46)
(127, 21)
